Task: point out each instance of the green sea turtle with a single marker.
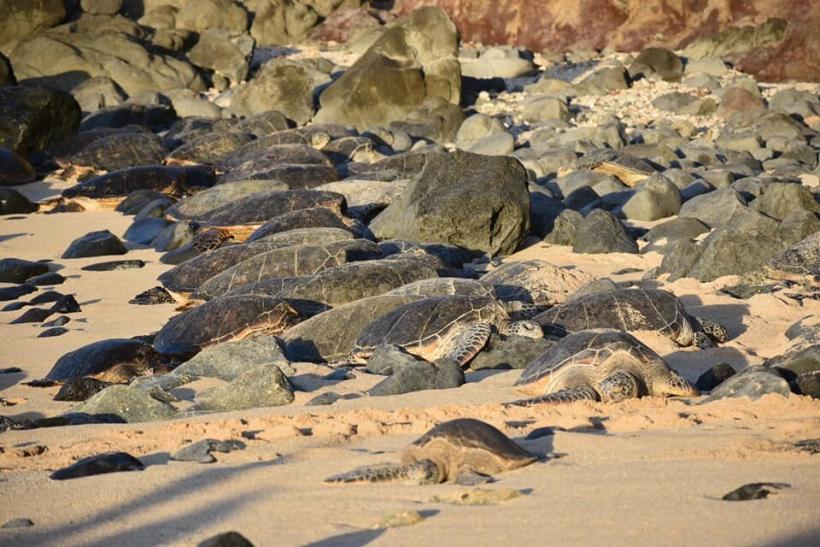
(112, 152)
(535, 281)
(303, 260)
(257, 209)
(316, 217)
(106, 358)
(208, 148)
(627, 168)
(631, 310)
(600, 364)
(452, 327)
(446, 286)
(200, 204)
(231, 317)
(111, 188)
(331, 335)
(265, 123)
(189, 275)
(348, 282)
(297, 165)
(451, 451)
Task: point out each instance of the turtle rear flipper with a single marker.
(562, 396)
(421, 472)
(465, 344)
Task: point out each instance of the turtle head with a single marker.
(527, 329)
(424, 472)
(620, 385)
(673, 385)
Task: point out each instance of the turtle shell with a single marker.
(99, 357)
(345, 283)
(203, 203)
(446, 286)
(150, 177)
(535, 281)
(188, 276)
(259, 208)
(118, 151)
(426, 322)
(210, 147)
(227, 318)
(466, 444)
(801, 259)
(588, 348)
(624, 309)
(332, 334)
(317, 217)
(287, 262)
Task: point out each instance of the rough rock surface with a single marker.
(476, 202)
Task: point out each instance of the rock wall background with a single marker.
(630, 25)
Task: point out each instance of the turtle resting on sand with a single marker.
(625, 167)
(599, 365)
(631, 310)
(454, 451)
(452, 327)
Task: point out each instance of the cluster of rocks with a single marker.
(340, 217)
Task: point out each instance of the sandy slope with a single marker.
(644, 471)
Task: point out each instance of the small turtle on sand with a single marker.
(454, 327)
(601, 364)
(457, 451)
(627, 168)
(631, 310)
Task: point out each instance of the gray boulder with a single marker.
(101, 7)
(6, 74)
(130, 404)
(223, 52)
(482, 134)
(604, 80)
(282, 22)
(545, 109)
(565, 229)
(509, 352)
(14, 169)
(410, 374)
(204, 15)
(412, 61)
(66, 60)
(754, 382)
(13, 202)
(715, 208)
(21, 18)
(657, 62)
(476, 202)
(98, 92)
(655, 198)
(781, 199)
(601, 232)
(259, 386)
(279, 85)
(98, 243)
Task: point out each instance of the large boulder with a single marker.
(476, 202)
(6, 74)
(279, 85)
(66, 60)
(20, 18)
(204, 15)
(34, 118)
(280, 23)
(224, 52)
(412, 61)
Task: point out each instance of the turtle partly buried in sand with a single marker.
(631, 310)
(626, 168)
(452, 327)
(452, 451)
(599, 365)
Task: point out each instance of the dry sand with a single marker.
(648, 471)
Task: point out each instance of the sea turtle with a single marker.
(113, 152)
(446, 286)
(189, 275)
(287, 262)
(202, 203)
(297, 165)
(264, 123)
(99, 358)
(599, 364)
(230, 317)
(316, 217)
(451, 451)
(358, 149)
(535, 281)
(258, 208)
(626, 167)
(113, 187)
(209, 148)
(631, 310)
(453, 327)
(331, 335)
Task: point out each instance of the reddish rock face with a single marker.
(630, 25)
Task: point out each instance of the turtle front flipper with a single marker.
(466, 343)
(421, 472)
(562, 396)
